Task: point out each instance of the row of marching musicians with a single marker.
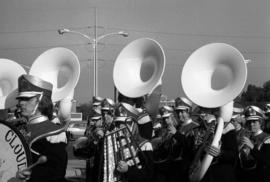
(124, 143)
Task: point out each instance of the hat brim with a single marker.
(267, 111)
(252, 118)
(132, 111)
(181, 108)
(120, 119)
(166, 115)
(105, 108)
(27, 95)
(96, 118)
(235, 116)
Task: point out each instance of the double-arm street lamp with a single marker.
(94, 41)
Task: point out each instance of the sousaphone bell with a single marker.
(54, 63)
(139, 67)
(10, 71)
(214, 75)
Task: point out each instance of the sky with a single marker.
(29, 28)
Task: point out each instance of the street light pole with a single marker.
(94, 41)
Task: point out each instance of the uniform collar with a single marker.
(257, 133)
(37, 119)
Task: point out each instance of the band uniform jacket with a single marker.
(222, 168)
(54, 169)
(261, 153)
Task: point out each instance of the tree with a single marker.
(255, 94)
(266, 87)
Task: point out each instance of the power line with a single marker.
(195, 34)
(146, 31)
(187, 51)
(48, 46)
(41, 31)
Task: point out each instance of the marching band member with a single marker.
(36, 106)
(168, 148)
(157, 126)
(224, 155)
(257, 146)
(267, 118)
(96, 104)
(184, 137)
(111, 160)
(107, 111)
(238, 121)
(92, 118)
(183, 109)
(168, 125)
(141, 133)
(92, 144)
(84, 146)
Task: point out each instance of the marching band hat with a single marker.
(182, 103)
(253, 113)
(96, 116)
(31, 86)
(125, 113)
(238, 110)
(130, 110)
(166, 111)
(267, 108)
(107, 104)
(97, 101)
(158, 116)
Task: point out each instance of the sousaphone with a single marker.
(138, 71)
(139, 67)
(212, 77)
(54, 64)
(10, 71)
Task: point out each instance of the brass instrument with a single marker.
(10, 71)
(119, 147)
(212, 77)
(142, 63)
(46, 67)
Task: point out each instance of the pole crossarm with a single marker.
(94, 42)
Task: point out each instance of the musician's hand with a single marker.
(171, 129)
(210, 118)
(23, 175)
(98, 123)
(245, 150)
(108, 119)
(122, 167)
(99, 132)
(246, 141)
(169, 121)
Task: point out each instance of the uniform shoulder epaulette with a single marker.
(267, 140)
(61, 137)
(146, 146)
(228, 128)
